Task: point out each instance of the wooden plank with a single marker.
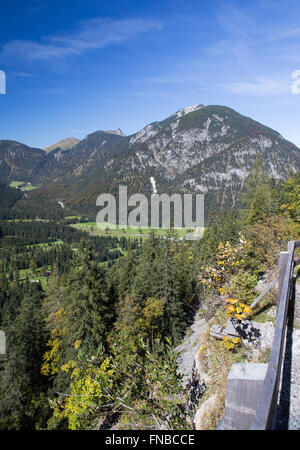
(283, 260)
(264, 292)
(244, 384)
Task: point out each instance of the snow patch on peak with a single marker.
(188, 109)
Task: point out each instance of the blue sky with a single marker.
(74, 67)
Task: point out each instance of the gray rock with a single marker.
(188, 349)
(216, 331)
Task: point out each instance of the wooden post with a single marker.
(282, 268)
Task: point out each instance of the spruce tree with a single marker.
(89, 309)
(257, 197)
(169, 290)
(21, 381)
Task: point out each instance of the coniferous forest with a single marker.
(92, 322)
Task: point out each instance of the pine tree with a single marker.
(169, 291)
(220, 228)
(21, 381)
(147, 277)
(257, 198)
(260, 206)
(89, 309)
(126, 273)
(290, 197)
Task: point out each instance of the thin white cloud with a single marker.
(20, 74)
(91, 34)
(262, 87)
(170, 78)
(285, 34)
(236, 22)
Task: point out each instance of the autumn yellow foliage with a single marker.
(237, 310)
(88, 384)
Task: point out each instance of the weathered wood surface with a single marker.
(243, 389)
(251, 397)
(283, 261)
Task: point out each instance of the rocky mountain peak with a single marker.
(187, 110)
(118, 131)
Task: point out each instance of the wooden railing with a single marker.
(269, 392)
(252, 389)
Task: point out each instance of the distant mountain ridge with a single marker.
(18, 161)
(209, 149)
(64, 144)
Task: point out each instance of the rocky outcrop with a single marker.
(259, 334)
(189, 348)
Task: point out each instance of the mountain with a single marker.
(209, 149)
(91, 152)
(198, 139)
(64, 144)
(18, 161)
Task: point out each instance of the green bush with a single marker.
(244, 287)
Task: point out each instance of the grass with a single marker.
(92, 229)
(22, 185)
(36, 274)
(264, 357)
(46, 245)
(72, 217)
(106, 229)
(29, 188)
(16, 184)
(23, 273)
(27, 220)
(260, 311)
(218, 363)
